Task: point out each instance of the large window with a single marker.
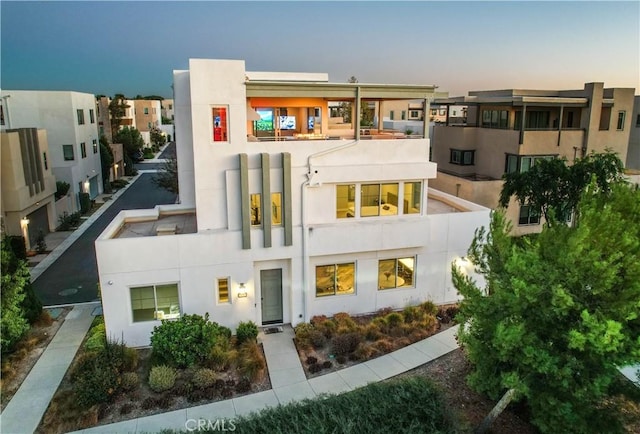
(146, 110)
(462, 157)
(378, 199)
(256, 210)
(67, 152)
(396, 273)
(80, 114)
(345, 201)
(276, 208)
(495, 119)
(83, 150)
(528, 215)
(621, 117)
(223, 291)
(155, 302)
(517, 163)
(338, 279)
(220, 124)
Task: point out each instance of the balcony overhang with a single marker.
(514, 101)
(339, 91)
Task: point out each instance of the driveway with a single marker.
(73, 277)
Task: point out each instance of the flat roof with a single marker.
(338, 91)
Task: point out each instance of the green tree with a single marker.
(15, 276)
(157, 137)
(131, 139)
(167, 177)
(559, 313)
(554, 188)
(106, 161)
(117, 110)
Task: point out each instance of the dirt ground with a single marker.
(17, 365)
(449, 372)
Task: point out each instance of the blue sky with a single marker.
(133, 47)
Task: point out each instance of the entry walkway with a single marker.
(290, 384)
(26, 408)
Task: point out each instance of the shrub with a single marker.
(452, 312)
(429, 307)
(251, 363)
(129, 381)
(384, 345)
(85, 203)
(394, 319)
(317, 320)
(411, 313)
(327, 328)
(97, 338)
(302, 330)
(381, 323)
(62, 188)
(363, 352)
(341, 359)
(227, 392)
(204, 378)
(317, 339)
(69, 221)
(221, 355)
(243, 386)
(372, 332)
(17, 246)
(127, 408)
(148, 403)
(311, 360)
(185, 341)
(162, 378)
(345, 344)
(41, 244)
(130, 360)
(327, 364)
(344, 323)
(384, 311)
(315, 368)
(246, 331)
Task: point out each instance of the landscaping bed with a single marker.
(17, 365)
(108, 382)
(329, 344)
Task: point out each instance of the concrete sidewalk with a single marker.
(290, 384)
(26, 408)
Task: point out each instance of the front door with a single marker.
(271, 295)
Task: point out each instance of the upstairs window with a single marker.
(95, 146)
(345, 201)
(146, 110)
(621, 118)
(80, 114)
(518, 163)
(378, 199)
(67, 152)
(462, 157)
(276, 209)
(92, 117)
(495, 119)
(256, 210)
(83, 150)
(528, 216)
(220, 123)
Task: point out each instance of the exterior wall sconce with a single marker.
(24, 225)
(464, 264)
(87, 185)
(242, 291)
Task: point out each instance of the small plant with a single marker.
(246, 331)
(384, 345)
(162, 378)
(41, 244)
(251, 362)
(327, 328)
(345, 344)
(315, 368)
(62, 188)
(429, 307)
(317, 339)
(97, 338)
(317, 320)
(221, 355)
(127, 408)
(302, 331)
(327, 364)
(227, 392)
(411, 313)
(85, 203)
(311, 360)
(69, 221)
(148, 403)
(372, 332)
(129, 381)
(394, 319)
(341, 359)
(204, 378)
(243, 386)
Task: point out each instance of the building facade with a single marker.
(509, 130)
(28, 185)
(278, 221)
(71, 124)
(633, 153)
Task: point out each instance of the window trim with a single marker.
(229, 295)
(155, 301)
(463, 153)
(396, 275)
(335, 280)
(224, 130)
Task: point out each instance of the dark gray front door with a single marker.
(271, 295)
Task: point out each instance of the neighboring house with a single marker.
(28, 186)
(71, 124)
(509, 130)
(284, 226)
(104, 117)
(633, 154)
(117, 170)
(167, 109)
(148, 117)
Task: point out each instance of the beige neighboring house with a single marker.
(117, 170)
(104, 117)
(28, 186)
(633, 154)
(147, 114)
(167, 109)
(509, 130)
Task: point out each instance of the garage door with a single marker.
(38, 220)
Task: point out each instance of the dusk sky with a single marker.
(133, 47)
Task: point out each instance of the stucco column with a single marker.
(524, 118)
(356, 117)
(560, 123)
(426, 108)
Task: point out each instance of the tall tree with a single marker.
(559, 313)
(14, 278)
(554, 188)
(117, 110)
(157, 137)
(106, 161)
(131, 139)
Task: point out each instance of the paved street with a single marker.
(73, 277)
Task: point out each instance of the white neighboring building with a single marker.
(279, 222)
(71, 124)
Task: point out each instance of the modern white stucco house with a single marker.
(70, 121)
(279, 219)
